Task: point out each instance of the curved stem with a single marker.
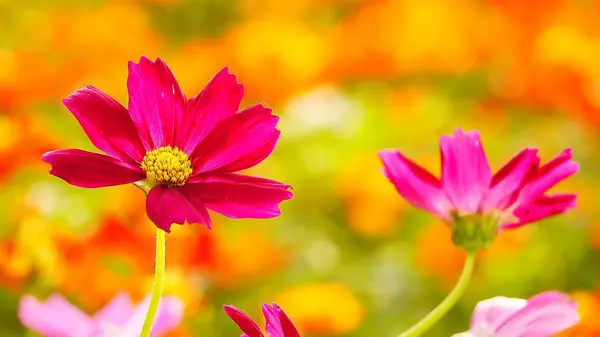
(159, 280)
(443, 308)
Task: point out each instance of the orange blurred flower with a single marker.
(322, 308)
(245, 256)
(372, 203)
(589, 307)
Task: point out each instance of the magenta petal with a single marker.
(550, 174)
(508, 181)
(116, 312)
(48, 318)
(545, 315)
(415, 184)
(166, 206)
(243, 321)
(278, 323)
(89, 170)
(156, 103)
(242, 140)
(542, 207)
(107, 124)
(240, 196)
(220, 99)
(466, 173)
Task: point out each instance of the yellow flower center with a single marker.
(167, 165)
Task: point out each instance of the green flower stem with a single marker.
(428, 321)
(159, 280)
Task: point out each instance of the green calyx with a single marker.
(474, 232)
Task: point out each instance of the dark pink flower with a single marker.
(543, 315)
(188, 150)
(467, 191)
(56, 317)
(278, 323)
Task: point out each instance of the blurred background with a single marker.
(348, 257)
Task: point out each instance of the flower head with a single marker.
(542, 315)
(474, 202)
(57, 317)
(185, 151)
(278, 323)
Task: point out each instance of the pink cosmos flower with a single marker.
(278, 323)
(542, 315)
(188, 150)
(56, 317)
(514, 196)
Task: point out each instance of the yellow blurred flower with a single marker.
(322, 308)
(275, 58)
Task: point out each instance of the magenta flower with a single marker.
(56, 317)
(543, 315)
(187, 150)
(278, 323)
(469, 196)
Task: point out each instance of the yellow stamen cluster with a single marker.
(167, 165)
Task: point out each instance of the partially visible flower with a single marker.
(57, 317)
(475, 203)
(322, 308)
(278, 324)
(542, 315)
(185, 152)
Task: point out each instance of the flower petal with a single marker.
(492, 313)
(550, 174)
(415, 184)
(156, 103)
(240, 196)
(89, 170)
(542, 207)
(545, 315)
(168, 316)
(243, 321)
(116, 312)
(278, 323)
(106, 123)
(48, 318)
(508, 181)
(166, 206)
(220, 99)
(466, 173)
(239, 142)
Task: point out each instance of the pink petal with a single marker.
(117, 311)
(494, 312)
(556, 170)
(545, 315)
(50, 318)
(542, 207)
(243, 321)
(508, 181)
(415, 184)
(156, 103)
(466, 174)
(239, 142)
(240, 196)
(89, 170)
(278, 323)
(107, 124)
(168, 317)
(166, 206)
(220, 99)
